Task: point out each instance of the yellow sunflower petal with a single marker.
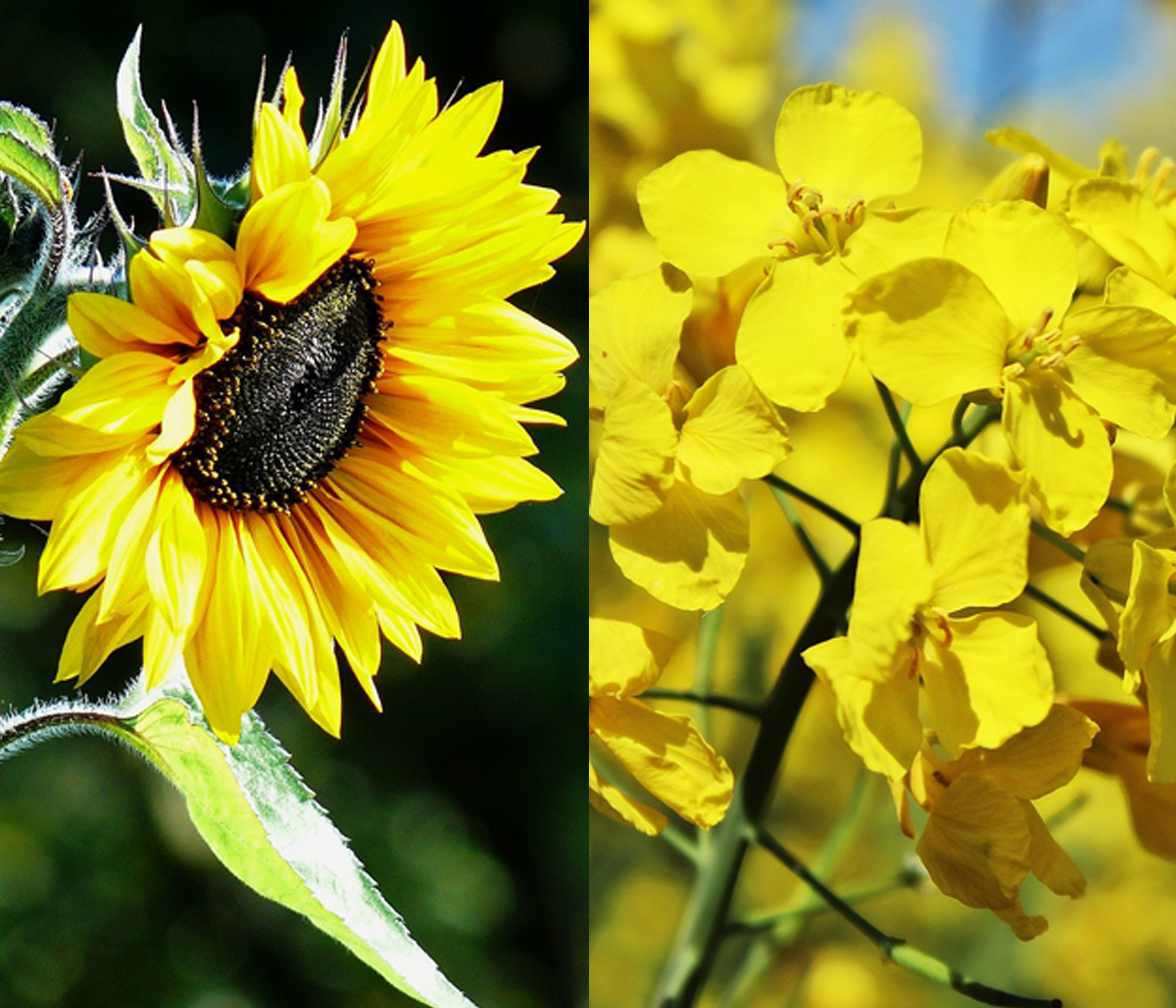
(177, 558)
(445, 416)
(77, 551)
(280, 154)
(90, 642)
(105, 325)
(33, 486)
(438, 522)
(226, 659)
(286, 240)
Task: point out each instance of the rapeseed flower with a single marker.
(990, 320)
(671, 460)
(914, 632)
(819, 226)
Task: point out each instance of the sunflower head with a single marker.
(287, 436)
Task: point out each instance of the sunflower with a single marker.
(284, 439)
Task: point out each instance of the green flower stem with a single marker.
(702, 926)
(828, 510)
(777, 921)
(43, 721)
(896, 949)
(704, 665)
(1050, 536)
(820, 564)
(898, 425)
(708, 699)
(957, 419)
(1035, 593)
(784, 927)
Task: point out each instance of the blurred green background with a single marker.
(461, 798)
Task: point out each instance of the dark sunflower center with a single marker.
(276, 413)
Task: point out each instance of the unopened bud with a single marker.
(1027, 179)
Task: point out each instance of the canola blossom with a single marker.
(887, 443)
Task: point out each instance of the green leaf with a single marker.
(160, 162)
(263, 823)
(37, 171)
(25, 125)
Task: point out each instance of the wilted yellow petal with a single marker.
(634, 327)
(1159, 675)
(615, 804)
(731, 433)
(690, 553)
(623, 658)
(1048, 861)
(709, 213)
(1062, 443)
(930, 330)
(790, 338)
(1125, 366)
(975, 520)
(1039, 759)
(848, 144)
(1120, 748)
(635, 464)
(976, 843)
(992, 679)
(1023, 254)
(667, 755)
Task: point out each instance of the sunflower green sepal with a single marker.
(45, 254)
(168, 174)
(258, 817)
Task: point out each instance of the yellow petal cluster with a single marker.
(922, 631)
(664, 753)
(671, 460)
(983, 837)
